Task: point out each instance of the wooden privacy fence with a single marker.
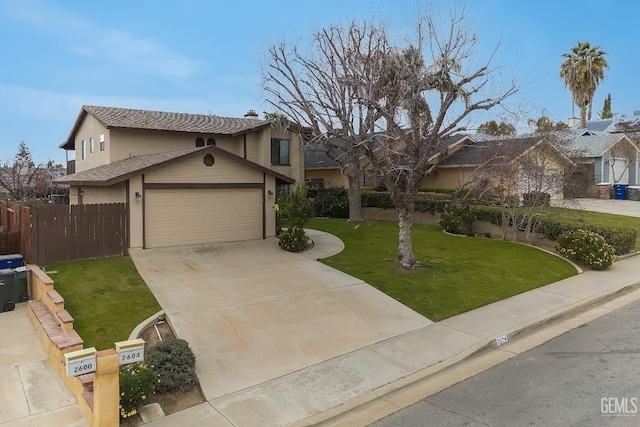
(53, 233)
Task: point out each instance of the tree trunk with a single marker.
(583, 117)
(355, 201)
(405, 241)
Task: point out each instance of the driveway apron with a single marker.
(253, 312)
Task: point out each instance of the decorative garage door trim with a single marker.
(186, 216)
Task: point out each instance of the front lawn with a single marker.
(577, 216)
(457, 274)
(106, 297)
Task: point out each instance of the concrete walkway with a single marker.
(31, 393)
(345, 382)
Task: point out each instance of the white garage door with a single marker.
(179, 217)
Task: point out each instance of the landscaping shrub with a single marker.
(137, 384)
(622, 241)
(332, 202)
(456, 218)
(175, 364)
(293, 240)
(296, 208)
(586, 248)
(377, 199)
(536, 198)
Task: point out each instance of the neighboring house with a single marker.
(610, 157)
(186, 178)
(320, 170)
(514, 165)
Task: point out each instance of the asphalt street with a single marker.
(589, 376)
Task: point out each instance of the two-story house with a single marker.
(185, 178)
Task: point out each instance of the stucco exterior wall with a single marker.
(91, 128)
(295, 169)
(270, 214)
(135, 212)
(94, 195)
(193, 170)
(332, 177)
(447, 177)
(132, 142)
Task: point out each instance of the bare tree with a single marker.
(422, 104)
(22, 178)
(520, 175)
(623, 153)
(315, 89)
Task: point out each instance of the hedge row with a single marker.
(623, 240)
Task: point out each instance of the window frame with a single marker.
(84, 149)
(91, 145)
(102, 142)
(277, 151)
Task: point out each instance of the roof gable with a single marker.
(126, 118)
(113, 173)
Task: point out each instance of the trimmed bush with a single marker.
(586, 248)
(457, 218)
(137, 385)
(332, 202)
(293, 240)
(622, 240)
(175, 364)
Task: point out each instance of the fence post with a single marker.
(106, 389)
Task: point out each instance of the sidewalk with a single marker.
(316, 393)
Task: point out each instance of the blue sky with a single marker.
(204, 56)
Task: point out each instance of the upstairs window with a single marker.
(211, 141)
(102, 142)
(279, 151)
(199, 142)
(91, 145)
(84, 149)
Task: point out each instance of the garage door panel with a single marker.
(195, 216)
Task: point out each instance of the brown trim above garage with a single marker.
(176, 185)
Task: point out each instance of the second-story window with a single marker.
(84, 149)
(102, 142)
(91, 145)
(279, 151)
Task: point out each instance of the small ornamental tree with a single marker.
(295, 209)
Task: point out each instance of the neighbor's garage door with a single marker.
(194, 216)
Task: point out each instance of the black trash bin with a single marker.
(10, 261)
(7, 302)
(20, 291)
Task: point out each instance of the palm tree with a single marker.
(582, 71)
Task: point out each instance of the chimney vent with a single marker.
(251, 114)
(636, 113)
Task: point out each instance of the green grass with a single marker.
(573, 216)
(106, 297)
(457, 274)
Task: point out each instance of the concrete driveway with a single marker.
(31, 393)
(253, 312)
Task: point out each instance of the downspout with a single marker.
(245, 145)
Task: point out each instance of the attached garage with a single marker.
(175, 217)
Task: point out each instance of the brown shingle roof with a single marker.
(112, 117)
(113, 173)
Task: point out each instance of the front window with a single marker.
(84, 149)
(91, 145)
(102, 142)
(279, 151)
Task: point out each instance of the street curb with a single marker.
(331, 416)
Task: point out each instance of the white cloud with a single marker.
(122, 48)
